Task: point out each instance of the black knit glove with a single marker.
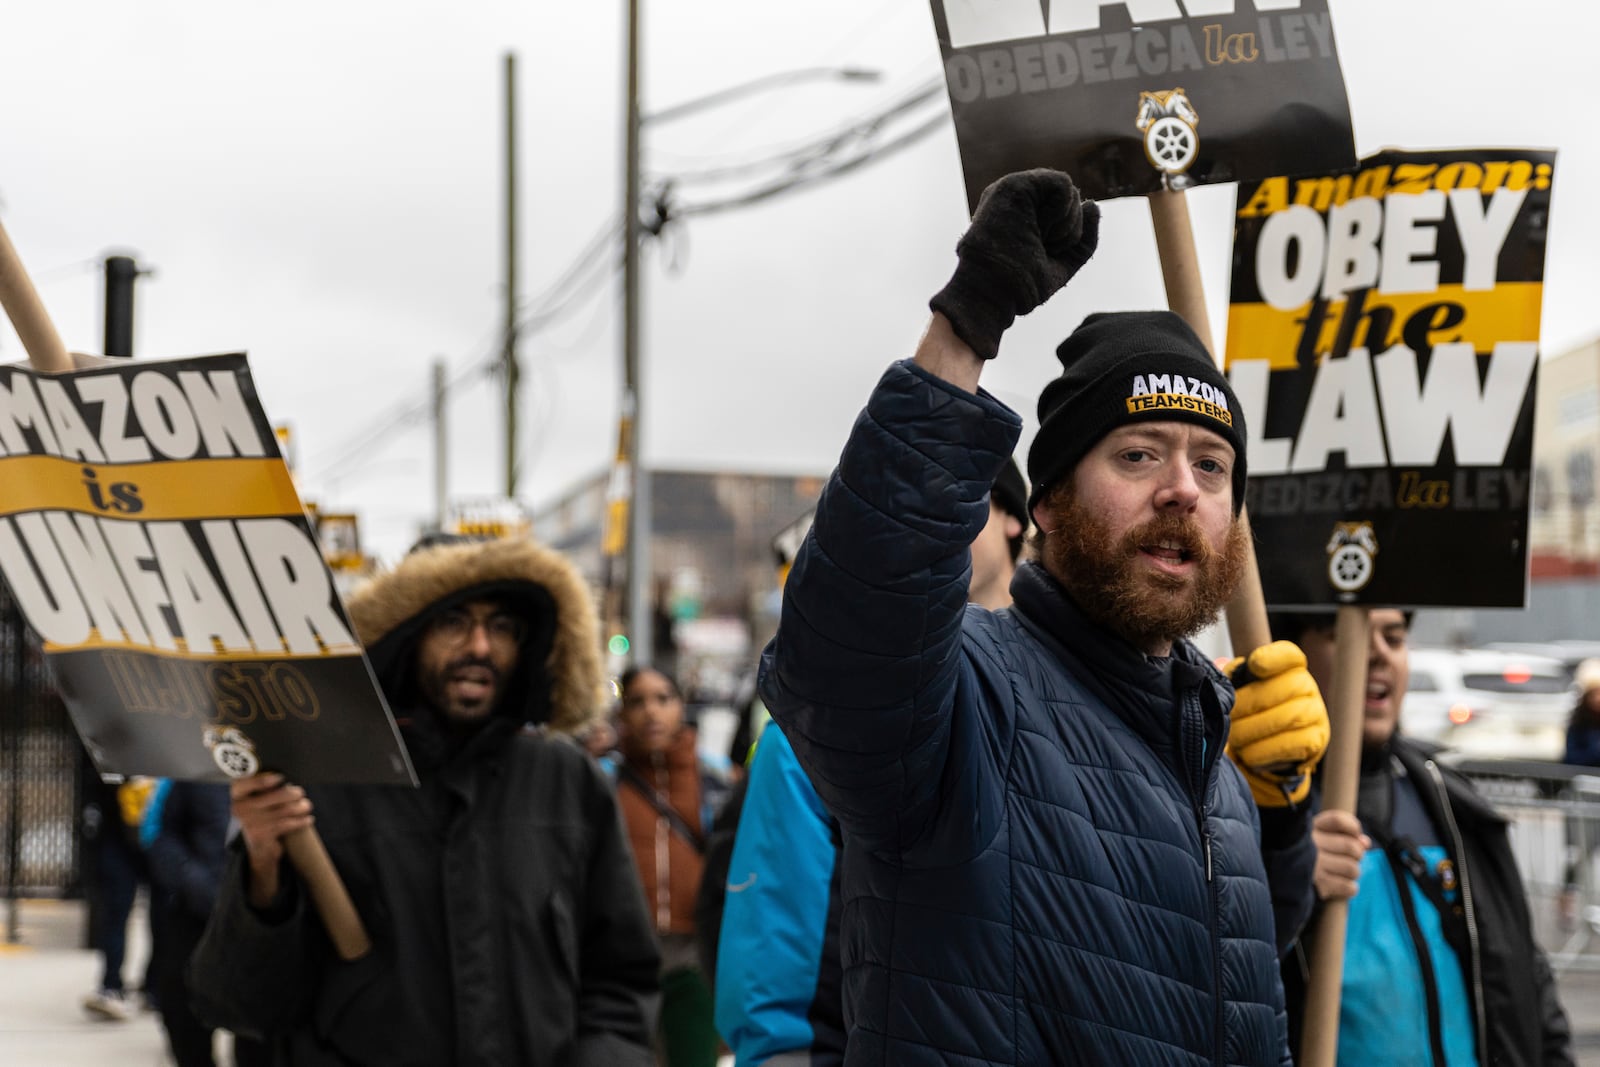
(1030, 234)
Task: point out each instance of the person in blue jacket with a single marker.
(778, 984)
(1441, 968)
(1045, 857)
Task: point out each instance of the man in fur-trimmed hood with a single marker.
(506, 920)
(557, 677)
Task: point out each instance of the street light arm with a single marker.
(766, 81)
(639, 608)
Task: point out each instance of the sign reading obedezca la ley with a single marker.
(1131, 98)
(154, 541)
(1383, 338)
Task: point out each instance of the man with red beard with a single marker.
(506, 920)
(1047, 858)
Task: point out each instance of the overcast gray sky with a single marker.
(320, 185)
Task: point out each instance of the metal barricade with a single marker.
(1554, 811)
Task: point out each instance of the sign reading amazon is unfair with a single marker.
(1383, 340)
(1136, 97)
(152, 537)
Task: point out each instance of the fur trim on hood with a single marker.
(390, 611)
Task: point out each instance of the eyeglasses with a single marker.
(456, 626)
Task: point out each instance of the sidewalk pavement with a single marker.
(45, 976)
(43, 980)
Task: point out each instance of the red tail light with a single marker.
(1460, 714)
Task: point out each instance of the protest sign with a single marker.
(1142, 96)
(153, 539)
(787, 541)
(1383, 339)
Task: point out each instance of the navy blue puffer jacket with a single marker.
(1047, 858)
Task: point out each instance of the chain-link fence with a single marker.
(41, 771)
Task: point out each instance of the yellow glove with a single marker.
(1280, 724)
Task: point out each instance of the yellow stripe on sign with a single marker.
(187, 489)
(1508, 312)
(216, 652)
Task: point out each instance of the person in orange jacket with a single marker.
(669, 797)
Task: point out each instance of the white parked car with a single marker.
(1569, 651)
(1489, 704)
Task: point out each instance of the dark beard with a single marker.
(434, 687)
(1148, 609)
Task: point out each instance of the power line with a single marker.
(816, 148)
(847, 39)
(361, 450)
(550, 306)
(798, 181)
(591, 252)
(808, 163)
(65, 270)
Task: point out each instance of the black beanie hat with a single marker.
(1010, 495)
(1130, 366)
(1011, 492)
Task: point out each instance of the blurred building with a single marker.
(1564, 526)
(714, 574)
(1565, 533)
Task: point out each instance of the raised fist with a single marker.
(1031, 233)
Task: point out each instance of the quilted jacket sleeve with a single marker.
(866, 673)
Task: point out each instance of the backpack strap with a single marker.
(1443, 892)
(663, 807)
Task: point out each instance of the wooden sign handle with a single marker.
(27, 314)
(1180, 269)
(306, 851)
(1341, 780)
(1248, 629)
(315, 867)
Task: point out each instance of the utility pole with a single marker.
(440, 438)
(639, 614)
(120, 274)
(638, 602)
(510, 358)
(121, 271)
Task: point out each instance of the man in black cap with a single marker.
(1046, 858)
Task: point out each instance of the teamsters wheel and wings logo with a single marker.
(1350, 552)
(232, 751)
(1168, 120)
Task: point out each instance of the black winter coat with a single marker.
(507, 923)
(1508, 978)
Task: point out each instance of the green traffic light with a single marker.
(618, 645)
